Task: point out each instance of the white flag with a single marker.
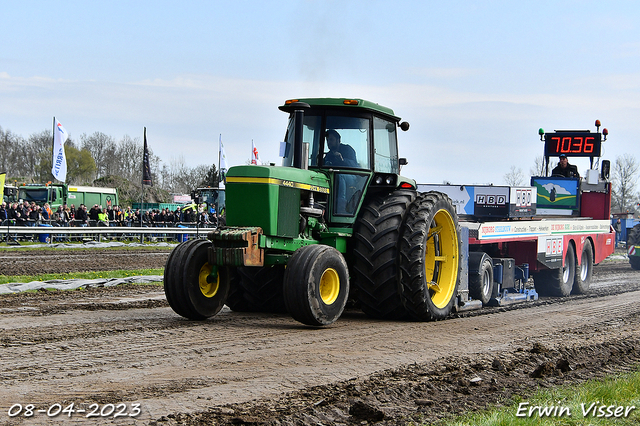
(223, 160)
(255, 159)
(60, 136)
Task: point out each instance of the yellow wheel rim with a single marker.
(329, 286)
(208, 287)
(441, 258)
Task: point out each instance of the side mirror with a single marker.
(605, 169)
(402, 161)
(404, 126)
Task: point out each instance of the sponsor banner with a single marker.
(522, 202)
(491, 201)
(488, 200)
(522, 229)
(551, 246)
(557, 192)
(182, 199)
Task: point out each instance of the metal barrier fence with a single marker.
(45, 232)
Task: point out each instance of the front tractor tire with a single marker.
(316, 285)
(191, 286)
(430, 257)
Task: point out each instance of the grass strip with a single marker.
(8, 279)
(612, 400)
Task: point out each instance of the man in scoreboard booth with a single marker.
(565, 169)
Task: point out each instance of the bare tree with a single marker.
(538, 168)
(102, 148)
(514, 177)
(97, 157)
(128, 159)
(10, 145)
(623, 178)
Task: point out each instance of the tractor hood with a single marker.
(283, 176)
(269, 197)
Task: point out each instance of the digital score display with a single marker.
(573, 144)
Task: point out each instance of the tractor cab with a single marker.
(352, 141)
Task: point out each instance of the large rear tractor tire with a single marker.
(558, 282)
(375, 272)
(262, 288)
(481, 285)
(430, 257)
(584, 272)
(236, 300)
(633, 239)
(316, 285)
(193, 288)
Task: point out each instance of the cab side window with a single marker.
(386, 147)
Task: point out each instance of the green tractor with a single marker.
(335, 223)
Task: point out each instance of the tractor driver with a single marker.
(339, 154)
(565, 169)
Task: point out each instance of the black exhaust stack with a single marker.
(298, 115)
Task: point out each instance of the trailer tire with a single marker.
(261, 287)
(558, 282)
(584, 272)
(481, 285)
(376, 241)
(189, 289)
(634, 239)
(540, 281)
(430, 257)
(316, 285)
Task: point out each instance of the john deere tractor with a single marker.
(335, 222)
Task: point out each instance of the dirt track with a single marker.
(124, 345)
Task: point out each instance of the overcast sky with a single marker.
(476, 80)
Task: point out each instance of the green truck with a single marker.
(59, 194)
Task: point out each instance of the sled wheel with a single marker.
(584, 272)
(197, 289)
(430, 257)
(376, 239)
(262, 288)
(316, 285)
(481, 286)
(633, 239)
(558, 282)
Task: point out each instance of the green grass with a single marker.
(623, 390)
(5, 279)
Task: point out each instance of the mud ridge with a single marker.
(426, 393)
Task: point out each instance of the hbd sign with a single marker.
(491, 200)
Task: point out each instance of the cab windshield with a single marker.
(342, 142)
(38, 195)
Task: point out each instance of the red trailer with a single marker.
(554, 230)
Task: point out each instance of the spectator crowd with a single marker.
(31, 214)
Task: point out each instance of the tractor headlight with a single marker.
(385, 180)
